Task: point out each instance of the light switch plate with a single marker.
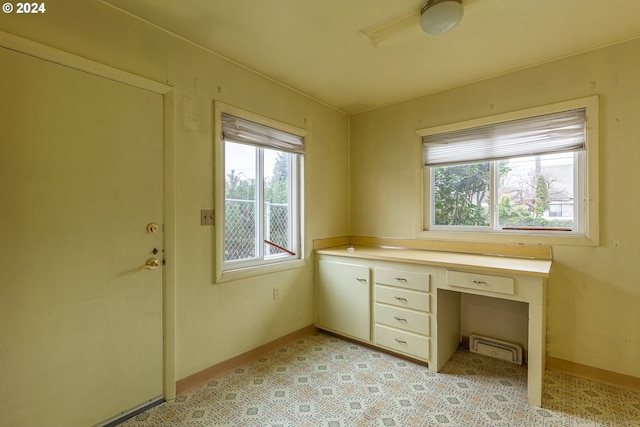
(207, 217)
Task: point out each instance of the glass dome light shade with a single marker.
(438, 17)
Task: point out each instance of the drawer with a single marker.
(402, 278)
(484, 282)
(409, 320)
(402, 341)
(405, 298)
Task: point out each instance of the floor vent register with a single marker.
(495, 348)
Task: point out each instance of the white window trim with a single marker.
(226, 275)
(590, 189)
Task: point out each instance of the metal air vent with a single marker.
(495, 348)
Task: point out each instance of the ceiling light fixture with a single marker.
(440, 16)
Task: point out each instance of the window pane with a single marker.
(537, 192)
(240, 202)
(277, 202)
(461, 194)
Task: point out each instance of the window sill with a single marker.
(247, 272)
(510, 238)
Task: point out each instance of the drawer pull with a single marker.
(400, 319)
(479, 282)
(403, 299)
(361, 280)
(398, 340)
(400, 279)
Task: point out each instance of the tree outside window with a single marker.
(526, 190)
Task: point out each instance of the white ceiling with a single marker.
(318, 47)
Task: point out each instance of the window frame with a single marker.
(234, 270)
(587, 188)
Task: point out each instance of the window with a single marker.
(523, 174)
(261, 207)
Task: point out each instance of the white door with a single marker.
(80, 179)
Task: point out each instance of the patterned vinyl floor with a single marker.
(326, 381)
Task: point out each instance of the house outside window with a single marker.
(528, 175)
(261, 197)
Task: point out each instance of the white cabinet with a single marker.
(414, 306)
(395, 314)
(343, 296)
(402, 310)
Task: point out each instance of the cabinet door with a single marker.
(343, 299)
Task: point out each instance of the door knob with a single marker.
(151, 264)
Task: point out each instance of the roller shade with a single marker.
(545, 134)
(247, 132)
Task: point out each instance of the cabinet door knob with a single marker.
(399, 319)
(400, 279)
(400, 341)
(361, 280)
(403, 299)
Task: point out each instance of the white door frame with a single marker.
(37, 50)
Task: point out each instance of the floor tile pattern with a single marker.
(326, 381)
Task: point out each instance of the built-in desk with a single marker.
(408, 300)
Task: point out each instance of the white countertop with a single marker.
(488, 263)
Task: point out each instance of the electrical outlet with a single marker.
(276, 292)
(207, 217)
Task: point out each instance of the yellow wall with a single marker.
(213, 321)
(594, 292)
